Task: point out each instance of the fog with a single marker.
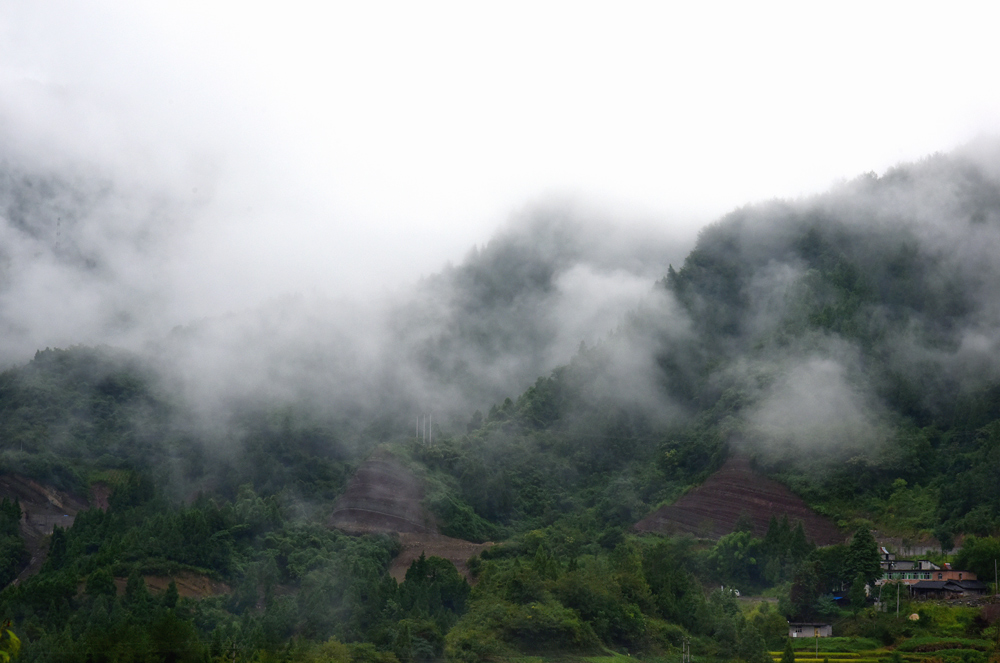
(814, 408)
(346, 148)
(847, 314)
(463, 339)
(424, 210)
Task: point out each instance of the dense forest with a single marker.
(845, 344)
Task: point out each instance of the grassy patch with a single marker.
(832, 655)
(835, 645)
(611, 657)
(946, 620)
(931, 643)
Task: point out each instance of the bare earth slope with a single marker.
(712, 509)
(382, 496)
(456, 551)
(189, 585)
(43, 507)
(385, 497)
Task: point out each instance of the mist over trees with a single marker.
(858, 324)
(579, 376)
(82, 256)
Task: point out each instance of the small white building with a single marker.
(809, 630)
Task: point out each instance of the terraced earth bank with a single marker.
(712, 509)
(384, 497)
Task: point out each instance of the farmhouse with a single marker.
(911, 572)
(948, 589)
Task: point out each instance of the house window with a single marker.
(940, 575)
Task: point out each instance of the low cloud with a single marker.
(813, 408)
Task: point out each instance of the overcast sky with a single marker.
(358, 144)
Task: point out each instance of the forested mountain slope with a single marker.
(843, 344)
(860, 326)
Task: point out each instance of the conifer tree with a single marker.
(788, 656)
(170, 597)
(863, 557)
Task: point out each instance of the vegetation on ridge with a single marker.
(837, 342)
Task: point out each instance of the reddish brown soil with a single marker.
(456, 551)
(189, 585)
(385, 497)
(100, 493)
(382, 496)
(43, 508)
(712, 509)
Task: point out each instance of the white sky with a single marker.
(362, 143)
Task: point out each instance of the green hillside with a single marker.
(845, 343)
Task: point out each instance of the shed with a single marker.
(809, 630)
